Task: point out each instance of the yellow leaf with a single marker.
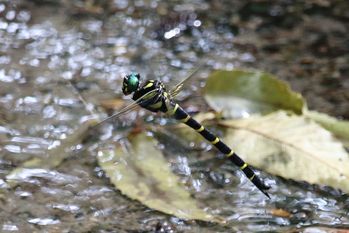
(290, 146)
(143, 174)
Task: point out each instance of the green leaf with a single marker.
(143, 174)
(240, 93)
(290, 146)
(339, 128)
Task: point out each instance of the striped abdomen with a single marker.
(184, 117)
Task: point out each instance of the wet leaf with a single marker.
(281, 213)
(240, 93)
(290, 146)
(339, 128)
(143, 174)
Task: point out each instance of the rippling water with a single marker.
(44, 45)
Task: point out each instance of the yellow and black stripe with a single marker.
(181, 115)
(156, 101)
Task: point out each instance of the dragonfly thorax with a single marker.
(153, 96)
(131, 83)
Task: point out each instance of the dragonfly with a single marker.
(153, 96)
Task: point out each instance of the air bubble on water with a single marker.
(9, 227)
(3, 25)
(49, 112)
(67, 75)
(10, 15)
(197, 23)
(67, 208)
(34, 62)
(93, 25)
(12, 28)
(23, 16)
(2, 7)
(44, 221)
(13, 148)
(172, 33)
(5, 60)
(120, 4)
(5, 78)
(247, 57)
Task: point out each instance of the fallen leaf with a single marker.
(281, 213)
(240, 93)
(290, 146)
(339, 128)
(143, 174)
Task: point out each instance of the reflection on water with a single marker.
(43, 46)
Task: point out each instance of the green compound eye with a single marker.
(131, 83)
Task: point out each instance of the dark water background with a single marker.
(45, 43)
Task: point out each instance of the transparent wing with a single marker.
(135, 104)
(180, 85)
(126, 109)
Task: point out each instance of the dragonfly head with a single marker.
(131, 83)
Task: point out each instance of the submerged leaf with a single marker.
(290, 146)
(143, 174)
(240, 93)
